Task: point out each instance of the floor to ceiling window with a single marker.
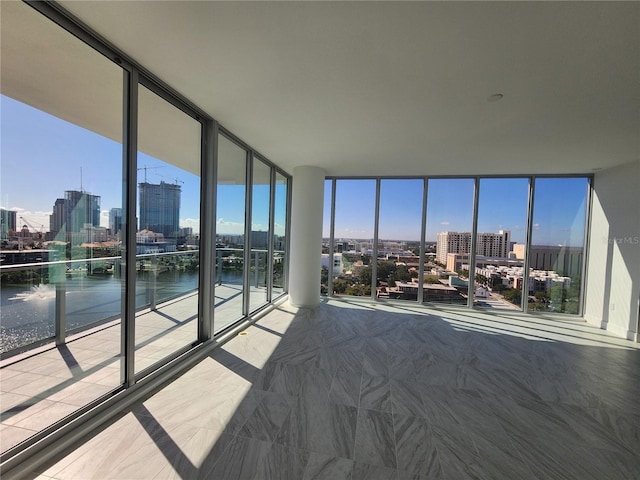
(167, 238)
(327, 269)
(480, 240)
(61, 184)
(230, 231)
(353, 237)
(399, 239)
(280, 222)
(449, 231)
(92, 301)
(259, 239)
(556, 254)
(502, 227)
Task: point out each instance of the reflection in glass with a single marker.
(502, 220)
(399, 231)
(230, 222)
(279, 235)
(167, 240)
(260, 201)
(557, 244)
(353, 246)
(448, 233)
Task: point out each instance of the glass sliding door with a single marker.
(502, 222)
(399, 236)
(167, 239)
(259, 239)
(61, 203)
(353, 242)
(279, 258)
(230, 232)
(449, 229)
(327, 255)
(557, 244)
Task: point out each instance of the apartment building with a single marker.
(488, 244)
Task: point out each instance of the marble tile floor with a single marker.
(40, 387)
(351, 391)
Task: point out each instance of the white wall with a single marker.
(613, 275)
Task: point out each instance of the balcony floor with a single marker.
(42, 386)
(357, 391)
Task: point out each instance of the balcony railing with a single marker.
(48, 301)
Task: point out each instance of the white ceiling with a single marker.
(400, 88)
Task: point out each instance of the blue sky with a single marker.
(36, 173)
(42, 156)
(559, 208)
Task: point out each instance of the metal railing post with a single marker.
(61, 304)
(153, 282)
(255, 266)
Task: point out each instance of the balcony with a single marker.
(61, 339)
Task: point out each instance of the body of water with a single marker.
(27, 313)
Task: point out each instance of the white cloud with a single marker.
(230, 228)
(39, 219)
(192, 223)
(444, 223)
(279, 229)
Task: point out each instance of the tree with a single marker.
(340, 286)
(365, 275)
(512, 295)
(557, 295)
(385, 270)
(563, 299)
(402, 273)
(541, 297)
(498, 287)
(537, 306)
(431, 280)
(324, 276)
(358, 290)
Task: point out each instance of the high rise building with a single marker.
(7, 222)
(452, 242)
(494, 244)
(115, 220)
(160, 208)
(56, 219)
(488, 244)
(71, 214)
(81, 208)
